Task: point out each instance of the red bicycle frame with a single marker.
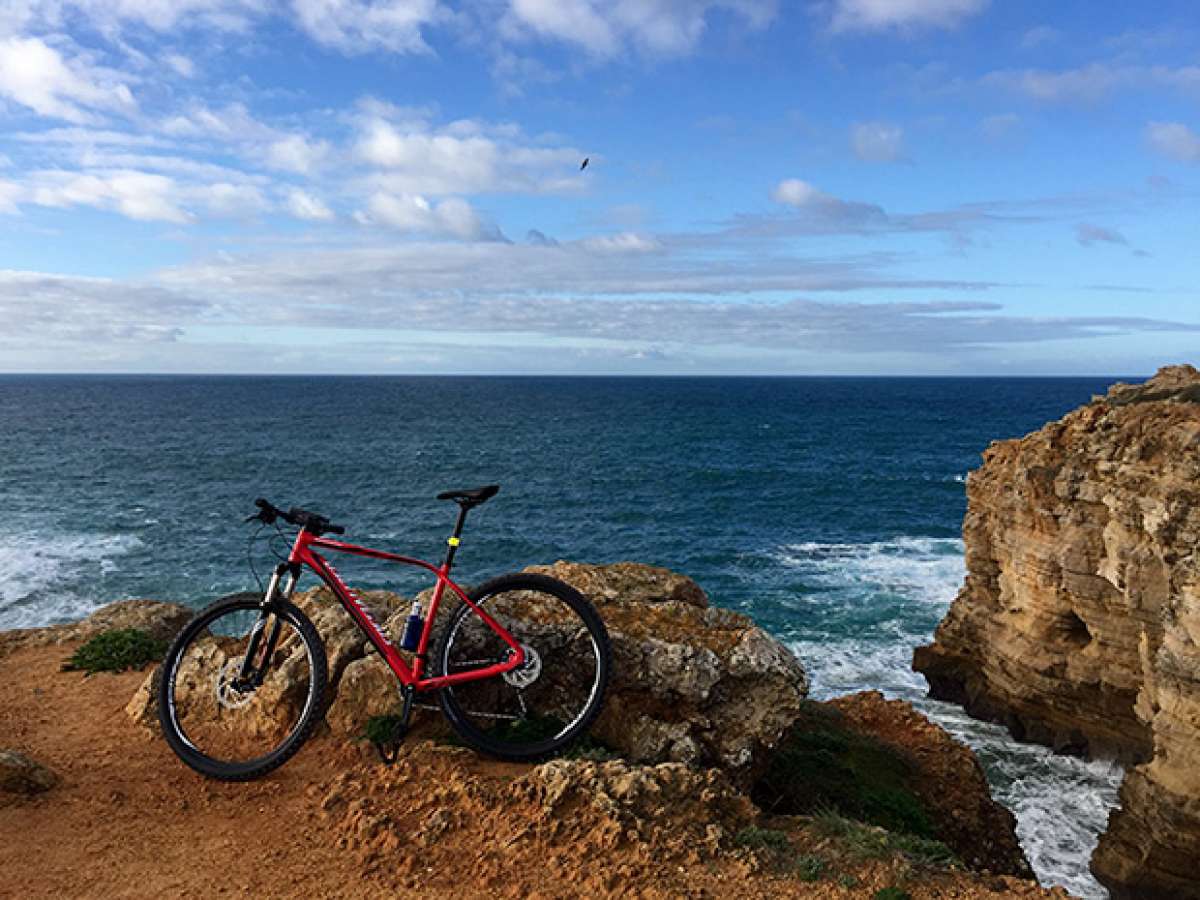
(410, 676)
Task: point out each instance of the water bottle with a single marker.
(413, 627)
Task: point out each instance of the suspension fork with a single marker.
(254, 664)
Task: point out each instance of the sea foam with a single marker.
(54, 578)
(876, 602)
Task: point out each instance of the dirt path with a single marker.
(129, 820)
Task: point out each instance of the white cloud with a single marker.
(1088, 83)
(180, 64)
(108, 16)
(626, 242)
(877, 141)
(875, 15)
(9, 194)
(37, 76)
(233, 200)
(463, 157)
(1091, 83)
(304, 205)
(296, 153)
(357, 26)
(1175, 140)
(415, 214)
(795, 192)
(137, 195)
(656, 27)
(233, 122)
(91, 312)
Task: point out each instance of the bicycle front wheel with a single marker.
(241, 688)
(542, 707)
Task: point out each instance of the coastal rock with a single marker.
(160, 620)
(286, 687)
(344, 641)
(947, 778)
(367, 688)
(659, 813)
(1079, 622)
(691, 683)
(20, 774)
(635, 800)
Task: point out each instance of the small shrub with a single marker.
(761, 838)
(849, 882)
(116, 651)
(867, 842)
(811, 867)
(823, 764)
(892, 893)
(382, 729)
(925, 851)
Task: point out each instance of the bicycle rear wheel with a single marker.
(542, 707)
(241, 688)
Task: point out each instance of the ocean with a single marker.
(829, 509)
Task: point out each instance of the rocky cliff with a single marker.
(1078, 625)
(703, 699)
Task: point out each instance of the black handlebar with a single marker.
(302, 518)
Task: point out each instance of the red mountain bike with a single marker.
(520, 667)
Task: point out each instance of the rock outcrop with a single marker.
(691, 683)
(160, 620)
(1079, 622)
(880, 761)
(947, 778)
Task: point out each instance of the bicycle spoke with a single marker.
(230, 708)
(540, 700)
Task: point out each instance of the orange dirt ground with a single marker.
(129, 820)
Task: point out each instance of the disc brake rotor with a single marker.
(526, 673)
(228, 694)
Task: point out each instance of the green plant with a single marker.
(892, 893)
(870, 842)
(382, 729)
(761, 838)
(811, 867)
(849, 882)
(116, 651)
(822, 764)
(925, 851)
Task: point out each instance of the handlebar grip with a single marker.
(335, 529)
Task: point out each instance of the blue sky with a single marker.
(837, 186)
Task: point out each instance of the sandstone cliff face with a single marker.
(1079, 622)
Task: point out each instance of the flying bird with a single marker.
(583, 165)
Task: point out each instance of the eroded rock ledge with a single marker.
(1078, 625)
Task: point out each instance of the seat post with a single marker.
(456, 538)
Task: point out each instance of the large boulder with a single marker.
(691, 683)
(287, 685)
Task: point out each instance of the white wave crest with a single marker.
(46, 579)
(928, 570)
(882, 599)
